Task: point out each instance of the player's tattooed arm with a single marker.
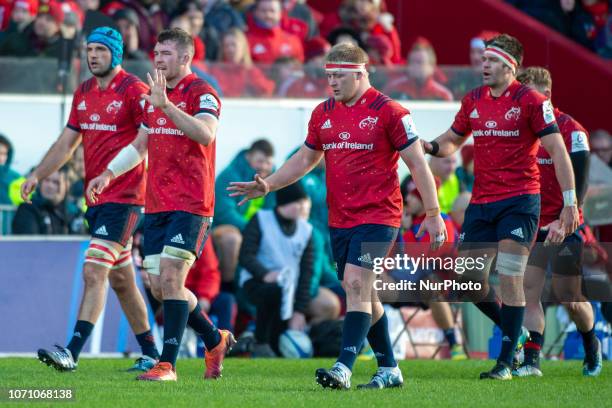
(444, 145)
(60, 152)
(553, 143)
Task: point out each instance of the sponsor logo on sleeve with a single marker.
(579, 142)
(548, 112)
(409, 127)
(208, 101)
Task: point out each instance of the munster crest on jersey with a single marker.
(368, 123)
(114, 106)
(514, 113)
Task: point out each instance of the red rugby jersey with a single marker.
(361, 145)
(506, 131)
(108, 119)
(576, 140)
(181, 171)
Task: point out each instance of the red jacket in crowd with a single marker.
(306, 87)
(269, 44)
(238, 80)
(430, 90)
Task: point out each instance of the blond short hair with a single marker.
(538, 76)
(345, 52)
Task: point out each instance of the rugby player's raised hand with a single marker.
(158, 97)
(249, 189)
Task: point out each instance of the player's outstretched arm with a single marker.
(304, 160)
(553, 143)
(128, 158)
(59, 153)
(414, 158)
(444, 145)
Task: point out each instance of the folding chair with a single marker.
(457, 322)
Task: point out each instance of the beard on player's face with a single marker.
(100, 70)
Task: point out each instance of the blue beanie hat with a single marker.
(110, 38)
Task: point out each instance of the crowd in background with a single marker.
(588, 22)
(269, 48)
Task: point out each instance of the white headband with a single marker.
(505, 57)
(344, 67)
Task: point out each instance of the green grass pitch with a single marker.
(290, 383)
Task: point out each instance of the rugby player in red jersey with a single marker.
(508, 121)
(106, 114)
(178, 132)
(361, 133)
(564, 257)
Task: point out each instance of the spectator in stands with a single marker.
(420, 82)
(444, 168)
(189, 17)
(345, 35)
(569, 17)
(465, 172)
(380, 50)
(7, 175)
(41, 38)
(464, 80)
(204, 280)
(314, 82)
(230, 219)
(367, 18)
(267, 40)
(276, 260)
(23, 14)
(127, 22)
(298, 9)
(235, 71)
(46, 214)
(5, 14)
(75, 196)
(221, 16)
(284, 72)
(601, 145)
(151, 19)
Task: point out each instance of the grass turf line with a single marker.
(290, 383)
